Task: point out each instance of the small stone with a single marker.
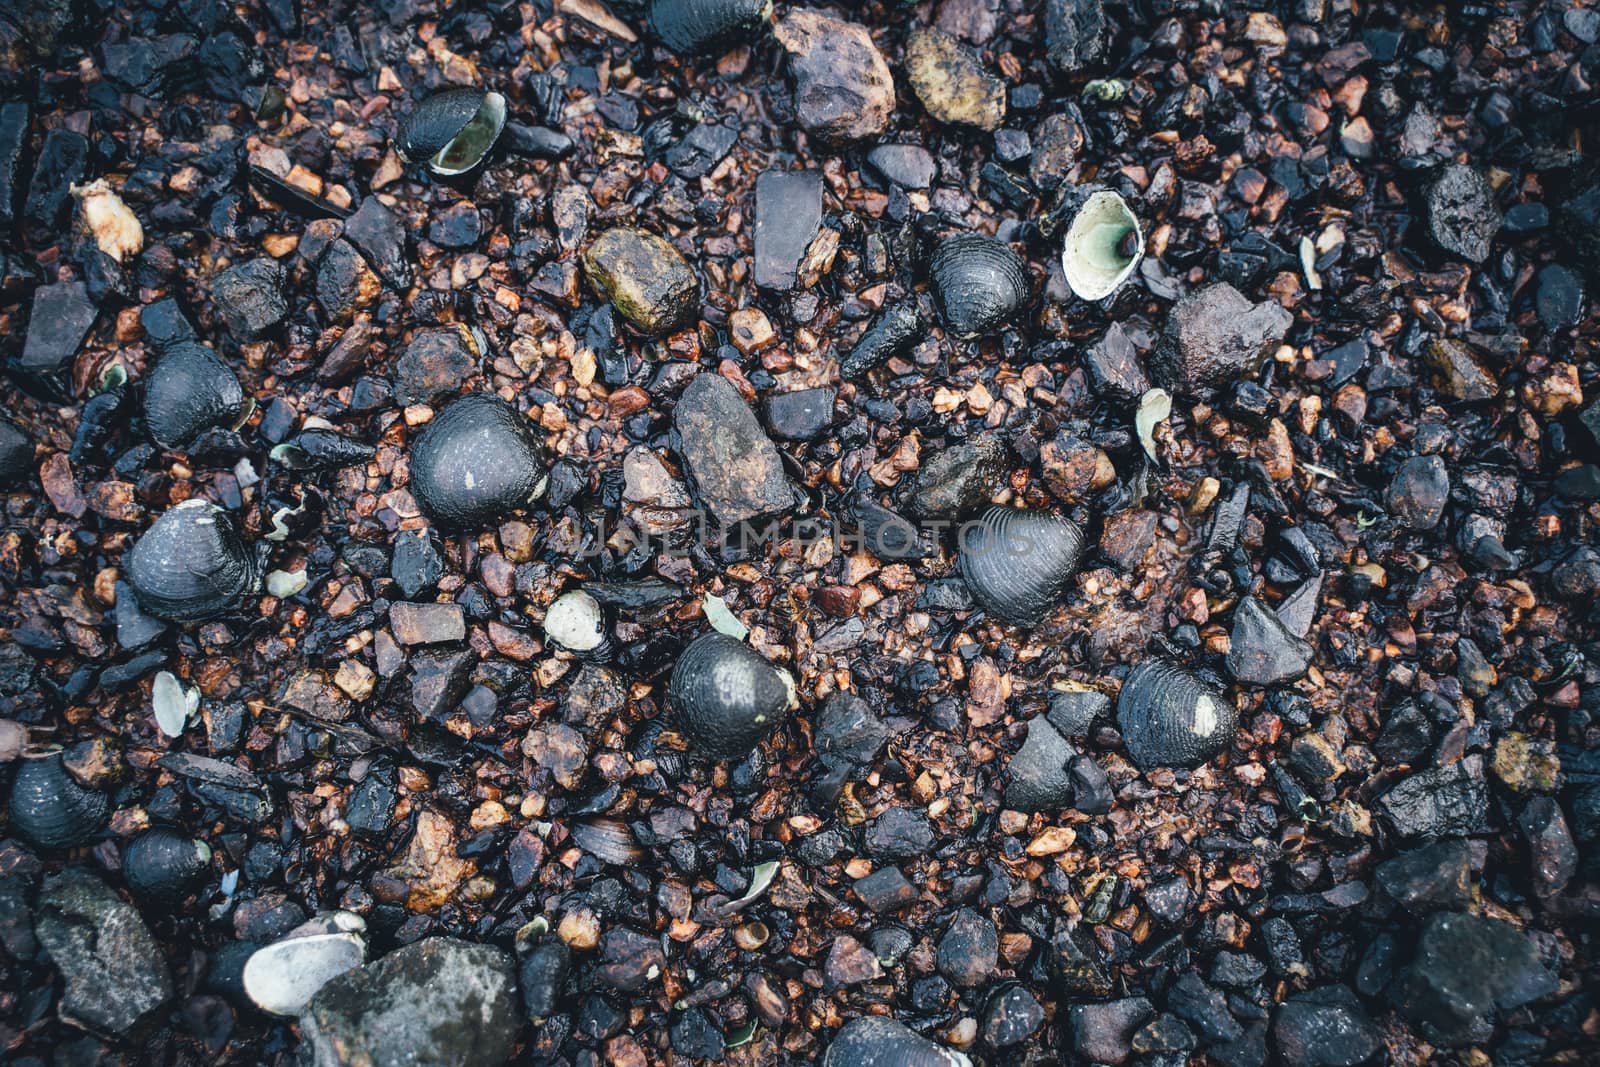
(696, 1037)
(1164, 1033)
(1405, 736)
(63, 157)
(1038, 776)
(959, 479)
(1552, 853)
(427, 624)
(843, 90)
(1462, 215)
(113, 973)
(457, 226)
(906, 165)
(1057, 140)
(1467, 966)
(885, 890)
(646, 279)
(788, 215)
(16, 456)
(1204, 1008)
(1262, 651)
(1012, 1015)
(1325, 1027)
(250, 298)
(1580, 483)
(803, 415)
(899, 834)
(561, 750)
(1445, 801)
(1526, 764)
(1091, 786)
(1073, 712)
(1169, 901)
(379, 236)
(952, 81)
(345, 284)
(969, 949)
(1237, 970)
(849, 962)
(656, 499)
(1103, 1033)
(311, 692)
(1075, 33)
(734, 466)
(1214, 335)
(436, 1003)
(1418, 492)
(1559, 298)
(435, 363)
(439, 681)
(61, 318)
(847, 728)
(1113, 366)
(1458, 373)
(415, 565)
(750, 330)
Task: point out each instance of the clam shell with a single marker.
(608, 840)
(49, 807)
(1092, 255)
(477, 461)
(691, 27)
(190, 391)
(877, 1041)
(979, 283)
(191, 564)
(282, 978)
(164, 865)
(1170, 718)
(1018, 563)
(453, 130)
(728, 698)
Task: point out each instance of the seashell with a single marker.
(282, 977)
(1103, 246)
(608, 840)
(728, 698)
(190, 391)
(319, 449)
(51, 808)
(883, 1042)
(751, 935)
(164, 865)
(191, 564)
(693, 27)
(979, 283)
(1170, 718)
(453, 130)
(1018, 563)
(476, 461)
(543, 963)
(892, 331)
(576, 622)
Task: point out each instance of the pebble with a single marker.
(1458, 373)
(646, 279)
(1418, 492)
(1525, 218)
(1551, 852)
(439, 680)
(1074, 712)
(434, 364)
(379, 236)
(427, 624)
(699, 151)
(952, 81)
(906, 165)
(1091, 786)
(958, 479)
(1462, 215)
(61, 318)
(694, 1035)
(1560, 299)
(1114, 367)
(843, 90)
(1163, 1034)
(732, 462)
(1214, 335)
(885, 890)
(1204, 1008)
(1103, 1033)
(16, 456)
(13, 145)
(1262, 651)
(846, 727)
(1169, 900)
(1038, 773)
(1075, 33)
(1324, 1027)
(439, 1001)
(849, 962)
(62, 159)
(457, 226)
(416, 565)
(898, 834)
(803, 415)
(969, 949)
(788, 215)
(113, 973)
(250, 298)
(1012, 1015)
(1465, 967)
(1444, 801)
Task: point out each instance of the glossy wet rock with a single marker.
(435, 363)
(979, 283)
(250, 298)
(728, 699)
(878, 1041)
(1038, 779)
(16, 456)
(788, 214)
(1170, 718)
(1075, 33)
(733, 465)
(843, 90)
(60, 319)
(1262, 650)
(189, 391)
(114, 975)
(1325, 1027)
(952, 81)
(968, 949)
(1214, 335)
(1463, 217)
(1019, 564)
(1466, 969)
(692, 27)
(477, 462)
(803, 415)
(646, 279)
(959, 479)
(1418, 492)
(891, 332)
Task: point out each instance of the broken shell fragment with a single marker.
(282, 978)
(1170, 718)
(1103, 246)
(114, 226)
(190, 391)
(164, 865)
(728, 698)
(576, 622)
(192, 564)
(979, 283)
(694, 27)
(883, 1042)
(51, 808)
(453, 130)
(1018, 563)
(477, 461)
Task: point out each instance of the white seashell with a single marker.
(1093, 256)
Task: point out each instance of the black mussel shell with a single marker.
(453, 130)
(190, 391)
(690, 27)
(883, 1042)
(162, 864)
(321, 450)
(477, 461)
(49, 807)
(979, 283)
(1170, 718)
(728, 698)
(1018, 563)
(192, 564)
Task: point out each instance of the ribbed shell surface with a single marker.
(1169, 718)
(876, 1041)
(979, 283)
(690, 27)
(435, 121)
(189, 391)
(50, 808)
(192, 564)
(1018, 563)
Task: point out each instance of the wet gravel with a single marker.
(1324, 468)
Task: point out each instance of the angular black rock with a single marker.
(379, 236)
(61, 318)
(190, 391)
(1418, 492)
(969, 949)
(978, 282)
(1169, 718)
(879, 1041)
(898, 834)
(1462, 215)
(892, 331)
(958, 479)
(727, 697)
(1443, 801)
(1560, 297)
(250, 297)
(1073, 712)
(907, 165)
(1262, 650)
(1551, 852)
(1213, 335)
(843, 89)
(416, 565)
(63, 157)
(1038, 775)
(1091, 786)
(803, 415)
(14, 118)
(1103, 1033)
(435, 363)
(847, 728)
(114, 975)
(191, 564)
(16, 456)
(1466, 967)
(788, 215)
(1075, 33)
(1012, 1015)
(1324, 1027)
(733, 464)
(699, 151)
(1433, 876)
(478, 461)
